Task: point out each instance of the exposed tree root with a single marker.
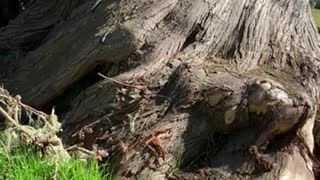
(200, 103)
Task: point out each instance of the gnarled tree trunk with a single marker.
(219, 88)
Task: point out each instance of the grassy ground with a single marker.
(23, 164)
(316, 17)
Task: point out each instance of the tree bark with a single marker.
(223, 89)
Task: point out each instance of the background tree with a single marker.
(199, 84)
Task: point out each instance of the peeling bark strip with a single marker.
(236, 83)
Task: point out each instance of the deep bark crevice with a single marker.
(193, 36)
(63, 102)
(9, 9)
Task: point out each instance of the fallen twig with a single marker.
(10, 119)
(139, 87)
(96, 4)
(122, 83)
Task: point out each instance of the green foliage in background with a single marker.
(316, 17)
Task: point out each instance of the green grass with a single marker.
(316, 17)
(22, 163)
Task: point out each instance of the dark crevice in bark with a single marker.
(317, 154)
(241, 36)
(9, 9)
(63, 102)
(207, 147)
(192, 36)
(232, 47)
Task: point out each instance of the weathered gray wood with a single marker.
(191, 63)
